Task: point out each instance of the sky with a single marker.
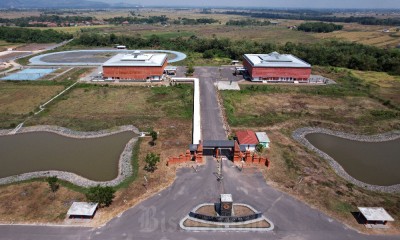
(389, 4)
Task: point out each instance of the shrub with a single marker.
(151, 162)
(102, 195)
(53, 183)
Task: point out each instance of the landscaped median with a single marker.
(204, 217)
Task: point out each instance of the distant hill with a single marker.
(52, 4)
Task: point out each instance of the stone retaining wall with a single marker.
(299, 136)
(125, 166)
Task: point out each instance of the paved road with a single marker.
(211, 116)
(158, 217)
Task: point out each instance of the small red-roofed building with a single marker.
(247, 139)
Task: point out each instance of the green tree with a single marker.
(151, 162)
(53, 184)
(154, 136)
(208, 54)
(101, 195)
(190, 70)
(259, 147)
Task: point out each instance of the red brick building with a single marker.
(137, 66)
(275, 67)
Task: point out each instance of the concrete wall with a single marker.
(123, 72)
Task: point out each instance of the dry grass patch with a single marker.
(304, 175)
(91, 107)
(22, 99)
(34, 202)
(387, 86)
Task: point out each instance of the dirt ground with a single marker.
(34, 46)
(34, 202)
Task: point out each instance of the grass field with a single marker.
(384, 85)
(74, 29)
(5, 45)
(18, 100)
(167, 35)
(167, 110)
(90, 107)
(351, 106)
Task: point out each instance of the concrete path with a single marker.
(211, 116)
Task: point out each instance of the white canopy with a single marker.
(375, 214)
(82, 209)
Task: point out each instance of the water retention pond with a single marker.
(95, 158)
(376, 163)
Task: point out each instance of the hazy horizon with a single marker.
(360, 4)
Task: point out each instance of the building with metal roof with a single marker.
(82, 210)
(248, 139)
(263, 139)
(136, 66)
(276, 67)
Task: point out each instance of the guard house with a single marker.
(82, 210)
(235, 62)
(275, 67)
(375, 216)
(136, 66)
(226, 205)
(247, 139)
(263, 139)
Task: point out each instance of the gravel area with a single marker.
(299, 136)
(125, 167)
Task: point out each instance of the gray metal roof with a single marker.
(193, 147)
(137, 60)
(262, 137)
(219, 143)
(275, 59)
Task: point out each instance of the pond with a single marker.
(376, 163)
(92, 158)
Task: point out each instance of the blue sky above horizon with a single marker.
(388, 4)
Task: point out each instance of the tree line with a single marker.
(319, 27)
(318, 17)
(24, 35)
(138, 20)
(192, 21)
(24, 21)
(327, 53)
(247, 22)
(160, 20)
